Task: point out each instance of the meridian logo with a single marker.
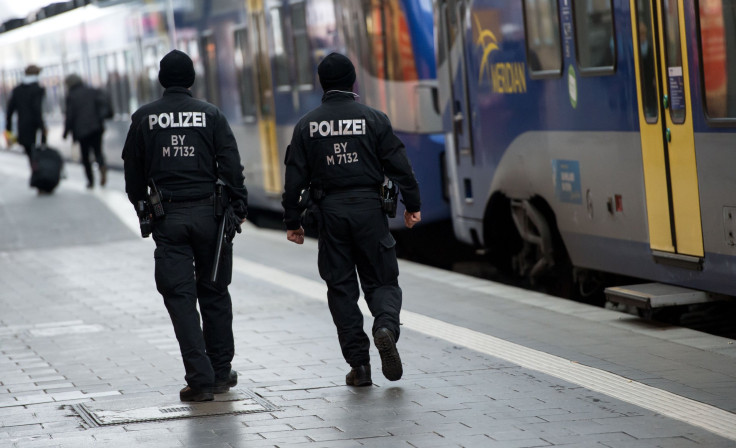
(504, 77)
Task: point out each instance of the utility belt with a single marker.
(319, 194)
(174, 205)
(388, 193)
(155, 208)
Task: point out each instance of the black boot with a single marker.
(222, 386)
(192, 394)
(390, 359)
(359, 376)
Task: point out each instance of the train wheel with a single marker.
(542, 259)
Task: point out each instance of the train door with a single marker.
(666, 117)
(266, 115)
(452, 15)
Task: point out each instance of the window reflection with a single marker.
(543, 36)
(718, 50)
(594, 33)
(673, 55)
(647, 61)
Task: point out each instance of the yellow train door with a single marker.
(668, 145)
(266, 114)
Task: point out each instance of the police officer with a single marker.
(341, 152)
(184, 145)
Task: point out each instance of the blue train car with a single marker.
(593, 136)
(256, 60)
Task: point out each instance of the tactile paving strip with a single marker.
(117, 412)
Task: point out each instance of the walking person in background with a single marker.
(26, 100)
(342, 151)
(86, 111)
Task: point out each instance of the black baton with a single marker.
(218, 251)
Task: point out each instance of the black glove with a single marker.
(240, 209)
(232, 223)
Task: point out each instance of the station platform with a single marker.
(88, 355)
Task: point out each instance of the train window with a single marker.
(389, 55)
(52, 80)
(244, 68)
(132, 62)
(149, 87)
(718, 53)
(280, 59)
(98, 71)
(117, 83)
(191, 47)
(542, 28)
(304, 75)
(594, 38)
(673, 56)
(211, 75)
(647, 61)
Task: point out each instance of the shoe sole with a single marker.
(361, 384)
(223, 389)
(390, 359)
(197, 398)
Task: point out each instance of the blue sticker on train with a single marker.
(566, 175)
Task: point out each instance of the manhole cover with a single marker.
(116, 412)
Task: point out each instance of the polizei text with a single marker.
(337, 127)
(178, 120)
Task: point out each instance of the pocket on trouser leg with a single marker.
(161, 272)
(323, 263)
(387, 252)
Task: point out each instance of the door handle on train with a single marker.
(458, 121)
(666, 101)
(668, 135)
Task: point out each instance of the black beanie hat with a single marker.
(336, 72)
(176, 69)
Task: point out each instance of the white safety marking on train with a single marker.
(660, 401)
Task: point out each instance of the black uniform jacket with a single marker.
(343, 145)
(27, 101)
(84, 116)
(184, 145)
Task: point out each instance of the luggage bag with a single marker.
(46, 168)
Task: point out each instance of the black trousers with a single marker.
(91, 143)
(354, 235)
(28, 148)
(185, 248)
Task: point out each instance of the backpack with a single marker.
(104, 105)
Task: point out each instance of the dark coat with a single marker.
(184, 145)
(26, 100)
(86, 110)
(342, 145)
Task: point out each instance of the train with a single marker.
(586, 138)
(577, 144)
(255, 59)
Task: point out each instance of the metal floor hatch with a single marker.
(117, 412)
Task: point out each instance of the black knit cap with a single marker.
(176, 69)
(336, 72)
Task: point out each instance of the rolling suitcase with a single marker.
(46, 168)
